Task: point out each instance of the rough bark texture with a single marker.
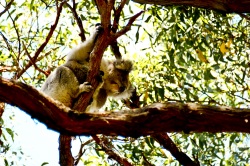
(155, 118)
(229, 6)
(65, 155)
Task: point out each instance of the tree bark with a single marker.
(229, 6)
(155, 118)
(65, 155)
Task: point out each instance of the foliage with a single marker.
(182, 54)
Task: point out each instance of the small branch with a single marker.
(7, 7)
(103, 142)
(146, 162)
(128, 26)
(81, 151)
(167, 143)
(7, 43)
(162, 138)
(18, 37)
(40, 49)
(78, 20)
(117, 14)
(33, 63)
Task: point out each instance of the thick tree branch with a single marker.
(65, 156)
(101, 44)
(229, 6)
(155, 118)
(95, 60)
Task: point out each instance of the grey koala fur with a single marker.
(115, 83)
(67, 81)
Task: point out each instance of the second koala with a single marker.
(67, 82)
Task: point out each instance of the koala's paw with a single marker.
(98, 28)
(85, 87)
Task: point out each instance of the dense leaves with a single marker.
(182, 54)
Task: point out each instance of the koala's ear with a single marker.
(125, 65)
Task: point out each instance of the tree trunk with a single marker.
(65, 156)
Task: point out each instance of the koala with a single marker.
(115, 83)
(68, 81)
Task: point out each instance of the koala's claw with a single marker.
(85, 87)
(99, 28)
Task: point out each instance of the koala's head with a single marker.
(116, 77)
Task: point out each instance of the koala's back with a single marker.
(80, 70)
(59, 85)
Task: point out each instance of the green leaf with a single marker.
(208, 75)
(45, 163)
(10, 132)
(149, 17)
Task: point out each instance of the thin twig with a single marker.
(81, 151)
(7, 43)
(117, 14)
(18, 36)
(33, 63)
(7, 7)
(40, 49)
(128, 26)
(168, 144)
(78, 20)
(109, 151)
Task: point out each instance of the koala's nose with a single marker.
(122, 88)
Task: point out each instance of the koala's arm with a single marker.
(81, 52)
